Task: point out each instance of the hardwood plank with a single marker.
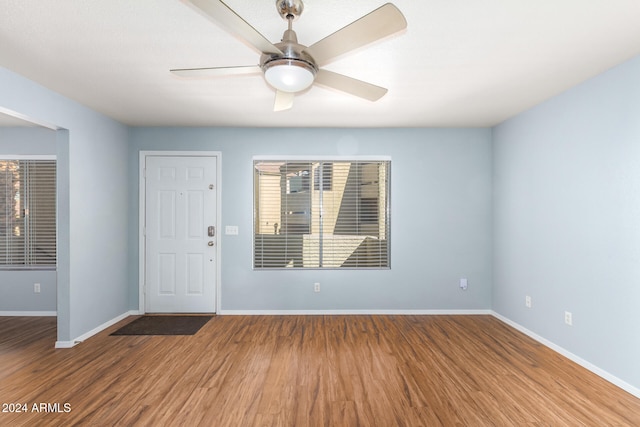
(305, 371)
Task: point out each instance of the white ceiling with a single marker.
(459, 63)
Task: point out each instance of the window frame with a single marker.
(36, 267)
(312, 185)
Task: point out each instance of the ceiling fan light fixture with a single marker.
(289, 75)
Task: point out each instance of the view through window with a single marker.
(27, 214)
(321, 213)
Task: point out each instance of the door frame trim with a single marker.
(142, 216)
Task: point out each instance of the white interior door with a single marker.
(180, 236)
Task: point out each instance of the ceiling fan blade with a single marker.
(216, 71)
(225, 17)
(349, 85)
(284, 101)
(380, 23)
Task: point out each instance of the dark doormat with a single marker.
(164, 325)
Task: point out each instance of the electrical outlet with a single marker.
(568, 318)
(316, 287)
(464, 284)
(36, 288)
(527, 301)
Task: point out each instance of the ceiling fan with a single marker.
(290, 67)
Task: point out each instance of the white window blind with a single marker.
(27, 214)
(321, 214)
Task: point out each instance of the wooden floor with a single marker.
(304, 371)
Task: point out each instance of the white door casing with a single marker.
(180, 204)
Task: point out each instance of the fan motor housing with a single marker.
(291, 51)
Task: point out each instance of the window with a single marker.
(321, 213)
(27, 214)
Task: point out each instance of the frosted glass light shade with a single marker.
(290, 76)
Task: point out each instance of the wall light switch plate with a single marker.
(464, 284)
(231, 230)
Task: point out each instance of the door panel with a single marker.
(195, 219)
(180, 269)
(167, 214)
(195, 281)
(167, 274)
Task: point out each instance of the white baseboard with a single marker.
(72, 343)
(28, 313)
(65, 344)
(353, 312)
(587, 365)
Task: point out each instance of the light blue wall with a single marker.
(567, 220)
(440, 220)
(27, 140)
(16, 291)
(16, 287)
(92, 203)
